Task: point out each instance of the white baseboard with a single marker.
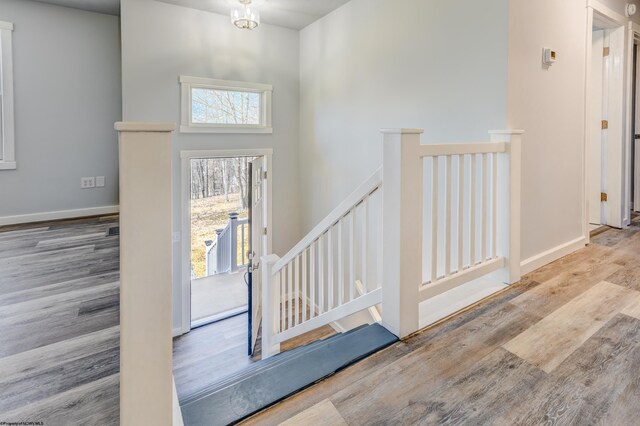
(61, 214)
(539, 260)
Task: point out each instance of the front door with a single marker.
(257, 218)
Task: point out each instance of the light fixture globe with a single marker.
(245, 16)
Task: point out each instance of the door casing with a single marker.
(183, 305)
(619, 162)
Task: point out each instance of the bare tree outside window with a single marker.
(212, 106)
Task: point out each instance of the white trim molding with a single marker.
(187, 125)
(141, 126)
(57, 215)
(546, 257)
(608, 13)
(7, 130)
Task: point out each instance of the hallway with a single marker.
(560, 347)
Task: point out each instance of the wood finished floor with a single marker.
(208, 354)
(562, 347)
(59, 315)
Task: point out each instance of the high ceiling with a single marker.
(294, 14)
(110, 7)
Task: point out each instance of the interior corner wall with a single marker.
(549, 104)
(372, 64)
(67, 95)
(160, 42)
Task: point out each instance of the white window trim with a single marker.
(186, 126)
(7, 142)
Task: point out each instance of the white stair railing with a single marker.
(448, 214)
(221, 256)
(451, 215)
(331, 273)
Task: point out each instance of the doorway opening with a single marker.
(219, 223)
(226, 228)
(607, 187)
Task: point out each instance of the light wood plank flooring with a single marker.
(59, 315)
(561, 347)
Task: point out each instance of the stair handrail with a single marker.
(356, 197)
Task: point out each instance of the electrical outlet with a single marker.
(87, 182)
(99, 181)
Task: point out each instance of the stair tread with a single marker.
(276, 378)
(268, 363)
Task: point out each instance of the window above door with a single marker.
(222, 106)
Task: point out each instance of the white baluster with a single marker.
(494, 200)
(352, 255)
(296, 291)
(312, 279)
(472, 222)
(460, 212)
(434, 222)
(485, 205)
(321, 252)
(329, 269)
(365, 251)
(340, 264)
(304, 285)
(289, 294)
(447, 237)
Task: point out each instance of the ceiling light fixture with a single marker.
(244, 15)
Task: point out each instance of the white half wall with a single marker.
(160, 42)
(67, 97)
(372, 64)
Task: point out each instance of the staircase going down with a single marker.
(273, 379)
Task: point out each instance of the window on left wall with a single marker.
(7, 138)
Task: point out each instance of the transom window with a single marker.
(7, 148)
(223, 106)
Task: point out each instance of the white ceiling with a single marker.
(295, 14)
(110, 7)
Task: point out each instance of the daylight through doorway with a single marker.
(219, 238)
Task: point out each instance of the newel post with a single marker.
(270, 307)
(146, 380)
(233, 249)
(402, 230)
(508, 203)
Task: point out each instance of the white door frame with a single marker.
(185, 212)
(600, 12)
(634, 36)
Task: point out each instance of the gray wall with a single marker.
(162, 41)
(67, 97)
(436, 64)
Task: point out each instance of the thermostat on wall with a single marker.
(549, 56)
